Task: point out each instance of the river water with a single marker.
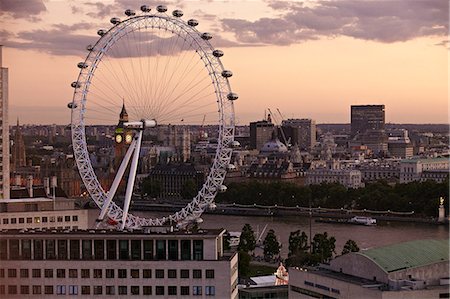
(384, 233)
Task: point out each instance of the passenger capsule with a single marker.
(199, 220)
(231, 167)
(232, 96)
(227, 74)
(222, 188)
(82, 65)
(161, 8)
(145, 8)
(101, 32)
(212, 206)
(130, 12)
(217, 53)
(90, 47)
(177, 13)
(206, 36)
(192, 22)
(75, 84)
(235, 144)
(115, 21)
(72, 105)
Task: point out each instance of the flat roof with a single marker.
(26, 200)
(411, 254)
(415, 160)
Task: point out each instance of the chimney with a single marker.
(47, 185)
(30, 185)
(18, 180)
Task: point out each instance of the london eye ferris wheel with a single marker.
(167, 72)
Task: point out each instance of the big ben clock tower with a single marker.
(122, 138)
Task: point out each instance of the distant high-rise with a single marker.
(4, 136)
(18, 149)
(368, 127)
(260, 133)
(301, 132)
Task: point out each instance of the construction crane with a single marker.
(202, 134)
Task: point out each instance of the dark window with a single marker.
(75, 218)
(172, 290)
(110, 290)
(134, 290)
(197, 273)
(67, 218)
(12, 290)
(122, 273)
(48, 290)
(123, 249)
(146, 290)
(184, 290)
(184, 273)
(173, 250)
(111, 249)
(12, 273)
(98, 290)
(24, 273)
(36, 273)
(87, 249)
(99, 249)
(172, 273)
(2, 290)
(5, 220)
(134, 273)
(62, 250)
(148, 250)
(26, 249)
(60, 219)
(85, 290)
(85, 273)
(198, 250)
(61, 273)
(73, 273)
(50, 253)
(74, 249)
(159, 290)
(13, 220)
(160, 249)
(2, 273)
(122, 290)
(159, 273)
(185, 250)
(21, 220)
(98, 273)
(48, 273)
(37, 290)
(135, 249)
(3, 249)
(44, 219)
(209, 273)
(14, 249)
(147, 273)
(109, 273)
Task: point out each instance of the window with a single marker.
(2, 290)
(135, 249)
(161, 249)
(159, 290)
(111, 249)
(3, 249)
(74, 218)
(198, 250)
(134, 290)
(172, 273)
(98, 290)
(21, 220)
(50, 253)
(184, 290)
(38, 248)
(67, 218)
(173, 250)
(109, 273)
(98, 273)
(99, 249)
(2, 273)
(37, 290)
(60, 290)
(122, 290)
(73, 290)
(209, 273)
(210, 291)
(123, 249)
(172, 290)
(60, 219)
(197, 273)
(24, 273)
(44, 219)
(61, 273)
(87, 249)
(48, 290)
(196, 290)
(74, 249)
(147, 273)
(146, 290)
(184, 273)
(12, 290)
(36, 273)
(85, 273)
(73, 273)
(85, 290)
(48, 273)
(122, 273)
(110, 290)
(26, 249)
(14, 249)
(14, 220)
(5, 221)
(148, 250)
(134, 273)
(12, 273)
(24, 289)
(159, 273)
(186, 250)
(62, 249)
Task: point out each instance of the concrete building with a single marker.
(301, 131)
(18, 150)
(350, 178)
(159, 261)
(414, 270)
(380, 170)
(418, 169)
(399, 144)
(260, 133)
(4, 125)
(368, 127)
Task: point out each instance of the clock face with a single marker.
(128, 138)
(118, 138)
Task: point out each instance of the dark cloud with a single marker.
(383, 21)
(26, 9)
(100, 10)
(76, 9)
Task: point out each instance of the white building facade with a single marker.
(412, 169)
(4, 135)
(350, 178)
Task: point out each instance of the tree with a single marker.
(151, 187)
(189, 189)
(271, 245)
(350, 246)
(298, 242)
(247, 241)
(323, 246)
(226, 241)
(243, 263)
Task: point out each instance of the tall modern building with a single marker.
(260, 133)
(18, 150)
(4, 136)
(301, 132)
(368, 126)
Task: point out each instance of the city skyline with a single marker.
(310, 59)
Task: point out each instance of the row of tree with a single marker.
(420, 197)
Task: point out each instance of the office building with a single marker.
(260, 133)
(4, 136)
(368, 127)
(301, 132)
(157, 261)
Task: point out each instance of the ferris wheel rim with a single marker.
(206, 194)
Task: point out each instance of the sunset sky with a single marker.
(310, 59)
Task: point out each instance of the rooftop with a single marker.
(425, 160)
(409, 254)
